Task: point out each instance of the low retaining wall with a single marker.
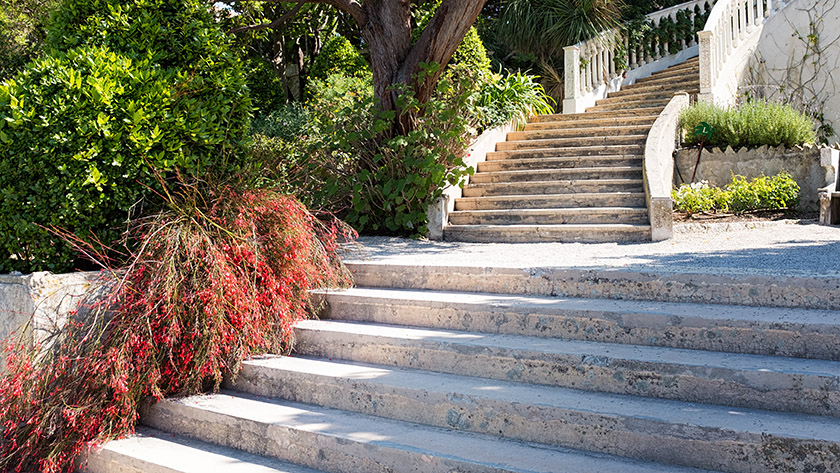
(808, 166)
(33, 306)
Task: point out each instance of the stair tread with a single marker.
(421, 441)
(386, 379)
(744, 315)
(153, 451)
(587, 210)
(705, 360)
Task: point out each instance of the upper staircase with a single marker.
(571, 177)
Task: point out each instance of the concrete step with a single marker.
(584, 121)
(154, 451)
(799, 333)
(571, 141)
(690, 86)
(550, 216)
(611, 172)
(567, 233)
(681, 73)
(347, 442)
(629, 114)
(564, 132)
(554, 187)
(651, 284)
(696, 435)
(685, 67)
(586, 202)
(748, 381)
(668, 80)
(621, 105)
(635, 96)
(605, 149)
(559, 163)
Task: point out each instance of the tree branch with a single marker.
(285, 17)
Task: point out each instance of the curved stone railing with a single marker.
(659, 168)
(600, 65)
(727, 43)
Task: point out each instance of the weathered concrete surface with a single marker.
(153, 451)
(34, 306)
(344, 442)
(736, 329)
(697, 435)
(774, 383)
(717, 165)
(809, 293)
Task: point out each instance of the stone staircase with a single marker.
(575, 177)
(445, 369)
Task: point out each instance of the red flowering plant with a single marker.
(206, 286)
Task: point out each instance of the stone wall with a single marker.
(717, 166)
(33, 306)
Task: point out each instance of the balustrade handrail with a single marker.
(729, 25)
(596, 65)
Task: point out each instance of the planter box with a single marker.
(811, 167)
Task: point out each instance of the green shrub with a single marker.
(338, 56)
(379, 182)
(752, 124)
(264, 86)
(278, 163)
(471, 53)
(740, 195)
(512, 97)
(152, 87)
(288, 122)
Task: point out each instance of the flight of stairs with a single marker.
(574, 177)
(447, 369)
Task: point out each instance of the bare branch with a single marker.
(285, 17)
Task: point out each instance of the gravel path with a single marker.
(784, 248)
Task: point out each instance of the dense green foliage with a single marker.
(338, 56)
(517, 96)
(130, 86)
(22, 32)
(752, 124)
(264, 85)
(741, 195)
(470, 54)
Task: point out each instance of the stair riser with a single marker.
(683, 73)
(563, 163)
(568, 187)
(650, 285)
(692, 88)
(666, 81)
(315, 450)
(577, 117)
(573, 132)
(658, 104)
(559, 174)
(568, 142)
(547, 202)
(662, 330)
(626, 436)
(536, 234)
(553, 218)
(631, 96)
(567, 152)
(805, 393)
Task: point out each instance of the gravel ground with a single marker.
(784, 248)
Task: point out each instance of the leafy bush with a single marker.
(752, 124)
(152, 86)
(210, 286)
(278, 163)
(741, 195)
(382, 182)
(513, 97)
(470, 54)
(338, 56)
(264, 86)
(288, 122)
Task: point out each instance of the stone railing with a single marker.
(727, 43)
(602, 64)
(659, 167)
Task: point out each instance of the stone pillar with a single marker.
(572, 102)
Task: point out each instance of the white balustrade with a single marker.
(730, 25)
(597, 66)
